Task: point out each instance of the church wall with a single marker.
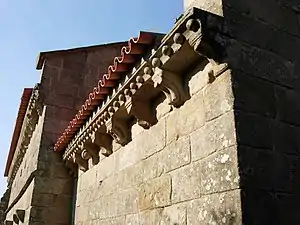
(261, 40)
(175, 172)
(67, 79)
(22, 186)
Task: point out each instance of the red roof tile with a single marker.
(18, 126)
(124, 63)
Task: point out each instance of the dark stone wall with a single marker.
(67, 79)
(260, 41)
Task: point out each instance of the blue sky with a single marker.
(31, 26)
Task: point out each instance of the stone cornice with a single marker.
(34, 110)
(161, 72)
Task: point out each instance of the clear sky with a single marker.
(28, 27)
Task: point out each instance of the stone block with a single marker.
(256, 168)
(111, 221)
(43, 199)
(254, 130)
(253, 95)
(163, 108)
(136, 130)
(155, 193)
(219, 171)
(269, 12)
(175, 214)
(132, 219)
(198, 78)
(175, 155)
(54, 186)
(105, 167)
(144, 171)
(219, 208)
(127, 202)
(54, 61)
(150, 217)
(218, 96)
(151, 141)
(125, 157)
(213, 136)
(286, 139)
(186, 183)
(261, 63)
(88, 178)
(186, 119)
(288, 105)
(212, 6)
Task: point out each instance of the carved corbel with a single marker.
(142, 111)
(103, 141)
(82, 163)
(170, 83)
(205, 49)
(119, 130)
(91, 150)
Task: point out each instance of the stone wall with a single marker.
(175, 172)
(22, 186)
(260, 42)
(67, 79)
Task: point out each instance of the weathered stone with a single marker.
(132, 219)
(175, 155)
(104, 168)
(218, 96)
(199, 77)
(186, 183)
(126, 157)
(163, 108)
(213, 136)
(111, 221)
(155, 193)
(220, 208)
(157, 138)
(186, 119)
(219, 171)
(261, 63)
(175, 214)
(150, 217)
(127, 202)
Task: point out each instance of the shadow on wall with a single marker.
(261, 41)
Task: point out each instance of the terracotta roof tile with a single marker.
(123, 63)
(18, 126)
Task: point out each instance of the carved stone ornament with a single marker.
(142, 111)
(171, 84)
(162, 72)
(119, 130)
(33, 112)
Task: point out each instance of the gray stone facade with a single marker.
(229, 154)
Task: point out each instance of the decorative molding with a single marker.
(33, 112)
(161, 72)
